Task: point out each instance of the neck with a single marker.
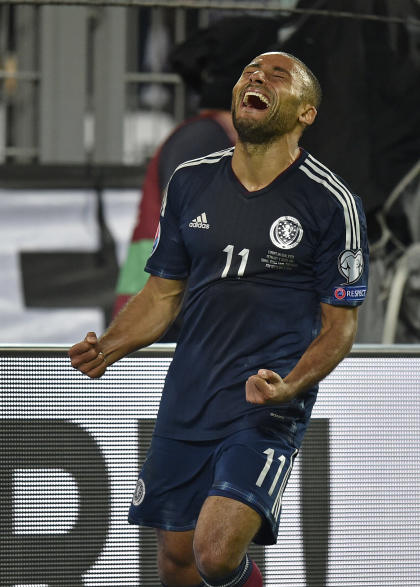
(256, 166)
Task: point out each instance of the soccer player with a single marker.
(272, 248)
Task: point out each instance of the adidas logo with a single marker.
(200, 222)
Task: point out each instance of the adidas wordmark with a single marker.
(200, 222)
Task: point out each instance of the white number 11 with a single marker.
(244, 254)
(270, 455)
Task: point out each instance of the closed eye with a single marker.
(281, 75)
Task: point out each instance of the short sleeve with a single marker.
(169, 257)
(342, 258)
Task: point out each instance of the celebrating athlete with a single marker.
(272, 247)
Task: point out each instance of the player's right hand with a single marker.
(87, 357)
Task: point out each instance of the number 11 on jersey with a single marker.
(244, 254)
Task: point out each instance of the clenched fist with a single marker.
(267, 387)
(87, 357)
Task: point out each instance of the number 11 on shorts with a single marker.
(270, 456)
(268, 463)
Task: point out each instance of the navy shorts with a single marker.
(250, 466)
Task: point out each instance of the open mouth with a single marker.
(256, 100)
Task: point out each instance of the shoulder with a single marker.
(325, 182)
(329, 189)
(194, 138)
(201, 167)
(335, 200)
(211, 158)
(191, 177)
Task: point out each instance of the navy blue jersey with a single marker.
(258, 265)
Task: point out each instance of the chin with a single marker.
(255, 132)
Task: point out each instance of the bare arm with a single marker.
(141, 322)
(339, 325)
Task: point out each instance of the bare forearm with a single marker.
(145, 318)
(320, 358)
(323, 354)
(142, 322)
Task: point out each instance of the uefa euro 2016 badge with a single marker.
(286, 232)
(139, 492)
(350, 265)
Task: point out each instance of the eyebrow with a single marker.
(275, 68)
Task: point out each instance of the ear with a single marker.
(307, 115)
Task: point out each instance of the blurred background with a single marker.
(91, 93)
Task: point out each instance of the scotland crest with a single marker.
(139, 492)
(286, 232)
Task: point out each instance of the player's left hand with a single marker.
(267, 387)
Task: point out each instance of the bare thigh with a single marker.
(224, 531)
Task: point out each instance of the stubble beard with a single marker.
(259, 132)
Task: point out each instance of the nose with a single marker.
(257, 76)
